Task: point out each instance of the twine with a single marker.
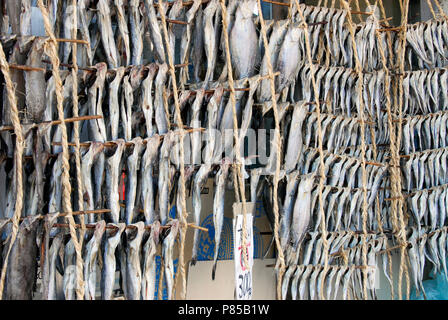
(358, 69)
(281, 257)
(20, 146)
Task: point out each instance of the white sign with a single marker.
(243, 275)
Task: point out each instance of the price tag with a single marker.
(243, 274)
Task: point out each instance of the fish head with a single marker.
(100, 227)
(30, 222)
(155, 230)
(247, 9)
(136, 75)
(101, 70)
(152, 69)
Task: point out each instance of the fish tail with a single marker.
(214, 270)
(193, 261)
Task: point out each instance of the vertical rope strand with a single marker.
(239, 161)
(75, 70)
(52, 52)
(359, 71)
(20, 145)
(402, 232)
(281, 257)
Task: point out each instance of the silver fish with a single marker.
(53, 256)
(69, 280)
(295, 140)
(133, 264)
(112, 240)
(90, 261)
(210, 42)
(167, 254)
(244, 40)
(185, 47)
(155, 33)
(218, 210)
(133, 162)
(147, 100)
(148, 162)
(85, 18)
(159, 105)
(123, 30)
(114, 103)
(164, 176)
(288, 57)
(50, 219)
(288, 206)
(86, 171)
(302, 215)
(275, 42)
(35, 84)
(137, 25)
(97, 126)
(112, 180)
(107, 34)
(149, 263)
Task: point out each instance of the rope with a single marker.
(392, 139)
(180, 124)
(431, 9)
(20, 145)
(239, 162)
(322, 176)
(51, 50)
(358, 69)
(281, 257)
(441, 11)
(402, 231)
(76, 123)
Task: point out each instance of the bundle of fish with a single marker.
(424, 244)
(338, 89)
(135, 245)
(426, 43)
(423, 132)
(331, 39)
(425, 91)
(305, 273)
(429, 206)
(340, 132)
(425, 169)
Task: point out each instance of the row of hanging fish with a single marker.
(425, 169)
(429, 206)
(304, 274)
(107, 248)
(426, 245)
(425, 91)
(424, 132)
